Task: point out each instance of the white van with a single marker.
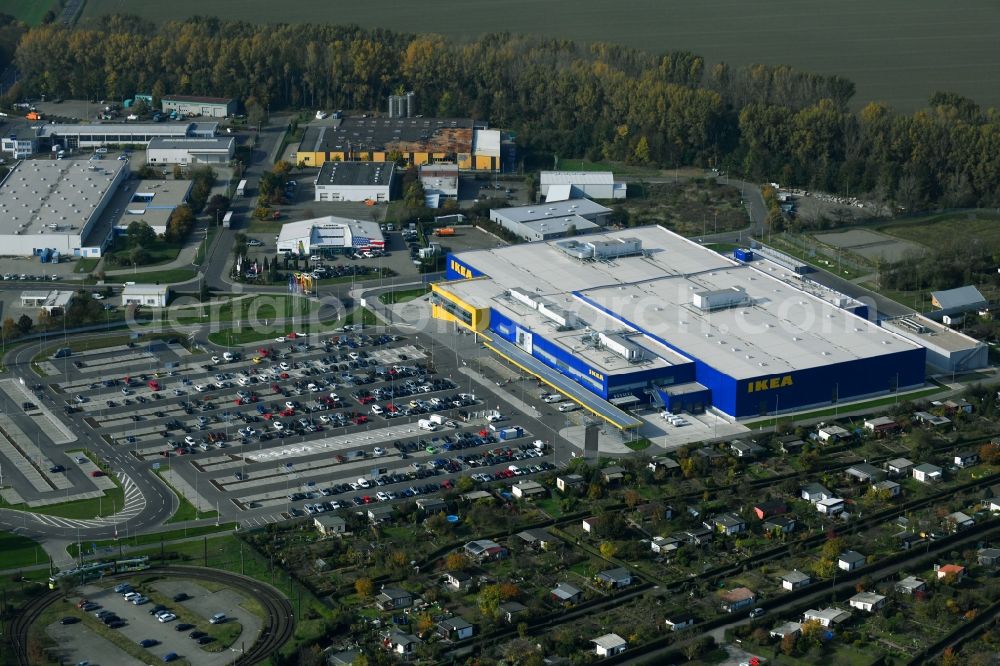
(567, 406)
(427, 424)
(551, 397)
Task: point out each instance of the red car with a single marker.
(267, 416)
(284, 375)
(275, 388)
(288, 411)
(96, 473)
(366, 399)
(360, 419)
(153, 385)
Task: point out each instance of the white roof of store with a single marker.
(577, 178)
(329, 230)
(143, 289)
(156, 129)
(194, 145)
(785, 328)
(554, 209)
(486, 142)
(65, 193)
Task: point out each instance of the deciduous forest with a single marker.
(558, 97)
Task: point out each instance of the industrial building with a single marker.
(645, 316)
(56, 205)
(563, 185)
(186, 150)
(948, 351)
(42, 138)
(552, 220)
(440, 182)
(330, 235)
(148, 295)
(355, 181)
(191, 105)
(153, 202)
(467, 143)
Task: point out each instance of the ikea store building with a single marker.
(645, 316)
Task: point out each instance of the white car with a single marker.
(378, 451)
(216, 359)
(280, 338)
(364, 483)
(313, 388)
(324, 418)
(227, 356)
(199, 388)
(97, 296)
(377, 410)
(289, 404)
(284, 366)
(382, 496)
(567, 406)
(278, 425)
(189, 440)
(166, 617)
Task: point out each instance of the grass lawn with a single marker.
(256, 226)
(154, 538)
(979, 225)
(639, 445)
(845, 407)
(160, 277)
(403, 295)
(246, 336)
(618, 168)
(160, 252)
(819, 260)
(29, 11)
(112, 501)
(19, 551)
(254, 309)
(86, 265)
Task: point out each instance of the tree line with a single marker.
(599, 101)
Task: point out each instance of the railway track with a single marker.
(278, 626)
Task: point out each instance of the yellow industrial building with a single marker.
(417, 141)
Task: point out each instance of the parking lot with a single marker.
(158, 618)
(295, 425)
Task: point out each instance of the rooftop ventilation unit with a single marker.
(721, 299)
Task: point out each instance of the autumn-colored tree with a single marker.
(595, 491)
(509, 591)
(456, 561)
(788, 642)
(632, 498)
(364, 587)
(989, 453)
(608, 549)
(425, 623)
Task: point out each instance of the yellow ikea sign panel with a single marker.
(767, 384)
(464, 271)
(595, 374)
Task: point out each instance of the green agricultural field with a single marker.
(29, 11)
(900, 51)
(975, 225)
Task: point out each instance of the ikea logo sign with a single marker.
(767, 384)
(595, 374)
(462, 270)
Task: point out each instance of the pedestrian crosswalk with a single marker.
(135, 503)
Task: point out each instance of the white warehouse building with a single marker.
(330, 235)
(355, 181)
(149, 295)
(563, 185)
(217, 150)
(552, 220)
(57, 205)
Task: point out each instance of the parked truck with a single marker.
(445, 231)
(427, 424)
(241, 188)
(512, 432)
(437, 418)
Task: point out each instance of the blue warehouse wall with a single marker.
(681, 373)
(844, 381)
(457, 269)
